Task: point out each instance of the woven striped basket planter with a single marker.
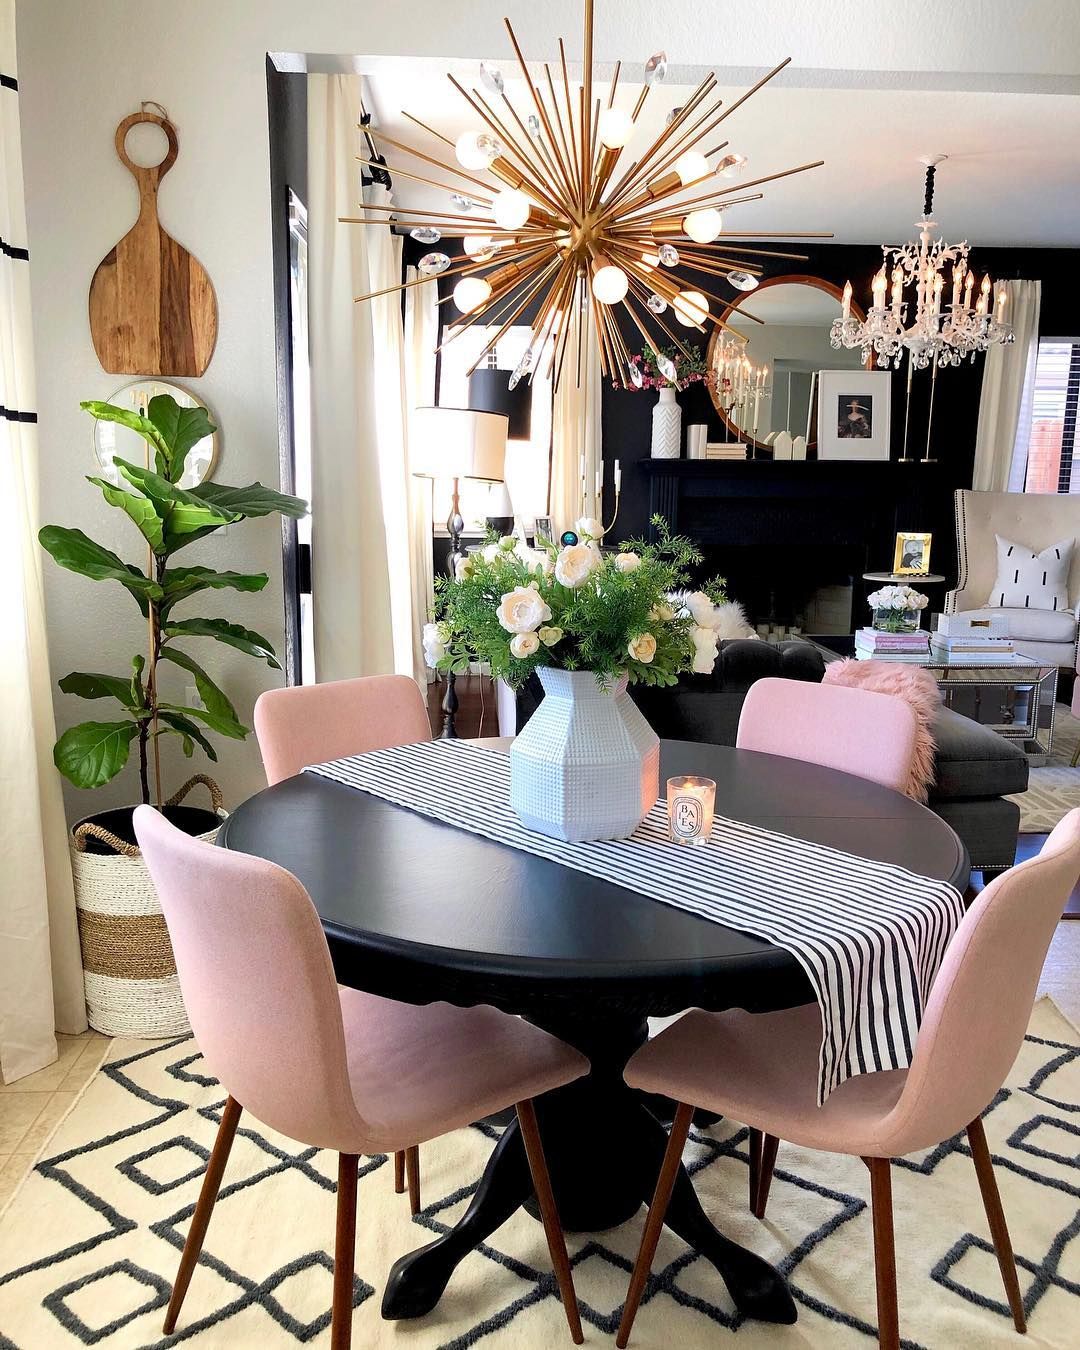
(128, 968)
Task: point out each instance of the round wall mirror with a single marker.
(113, 441)
(775, 390)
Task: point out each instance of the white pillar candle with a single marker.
(690, 809)
(618, 478)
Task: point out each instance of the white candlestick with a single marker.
(618, 478)
(599, 483)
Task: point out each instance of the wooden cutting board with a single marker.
(152, 306)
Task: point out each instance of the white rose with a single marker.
(523, 610)
(588, 528)
(524, 645)
(463, 568)
(627, 562)
(490, 552)
(701, 608)
(574, 564)
(508, 543)
(549, 636)
(434, 643)
(661, 613)
(705, 649)
(642, 648)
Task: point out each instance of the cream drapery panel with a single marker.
(1001, 442)
(41, 986)
(575, 428)
(367, 608)
(421, 339)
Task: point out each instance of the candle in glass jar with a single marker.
(690, 809)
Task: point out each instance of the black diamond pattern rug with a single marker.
(90, 1242)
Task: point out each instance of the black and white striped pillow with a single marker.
(1027, 580)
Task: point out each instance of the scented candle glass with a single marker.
(690, 803)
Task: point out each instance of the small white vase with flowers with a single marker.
(896, 609)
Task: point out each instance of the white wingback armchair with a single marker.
(1037, 520)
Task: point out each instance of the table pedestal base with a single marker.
(604, 1149)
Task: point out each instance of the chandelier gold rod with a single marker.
(601, 338)
(728, 306)
(559, 339)
(678, 342)
(534, 177)
(428, 159)
(546, 156)
(416, 211)
(640, 101)
(691, 137)
(662, 209)
(406, 285)
(525, 299)
(584, 155)
(569, 109)
(491, 314)
(558, 120)
(646, 284)
(614, 84)
(430, 130)
(586, 125)
(416, 177)
(717, 195)
(634, 172)
(541, 111)
(549, 310)
(621, 350)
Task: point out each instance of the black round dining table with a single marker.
(417, 910)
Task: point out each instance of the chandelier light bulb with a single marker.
(691, 167)
(703, 226)
(609, 284)
(475, 149)
(480, 246)
(650, 261)
(614, 128)
(691, 308)
(512, 209)
(470, 293)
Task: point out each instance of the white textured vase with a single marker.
(666, 425)
(587, 764)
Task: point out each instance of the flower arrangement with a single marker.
(663, 367)
(896, 608)
(576, 608)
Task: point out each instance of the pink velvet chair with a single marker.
(860, 732)
(763, 1070)
(332, 1068)
(311, 723)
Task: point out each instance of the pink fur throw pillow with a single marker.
(919, 691)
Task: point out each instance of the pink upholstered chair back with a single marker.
(980, 1005)
(257, 982)
(311, 723)
(860, 732)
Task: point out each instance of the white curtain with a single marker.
(421, 339)
(366, 602)
(1001, 442)
(575, 427)
(41, 988)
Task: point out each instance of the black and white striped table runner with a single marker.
(869, 935)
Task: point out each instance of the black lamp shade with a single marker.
(489, 391)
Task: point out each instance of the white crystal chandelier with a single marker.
(569, 221)
(932, 333)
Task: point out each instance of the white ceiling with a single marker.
(1009, 120)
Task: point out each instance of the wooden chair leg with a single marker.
(412, 1168)
(754, 1146)
(344, 1253)
(658, 1207)
(888, 1313)
(208, 1193)
(995, 1217)
(545, 1198)
(399, 1172)
(769, 1144)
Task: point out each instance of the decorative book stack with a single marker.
(725, 450)
(872, 644)
(971, 648)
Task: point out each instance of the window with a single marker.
(1051, 463)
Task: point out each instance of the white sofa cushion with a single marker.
(1029, 580)
(1034, 625)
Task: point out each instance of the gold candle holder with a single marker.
(690, 801)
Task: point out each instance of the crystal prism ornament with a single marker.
(656, 68)
(657, 303)
(521, 369)
(666, 366)
(636, 377)
(426, 234)
(533, 123)
(742, 281)
(463, 203)
(668, 255)
(431, 264)
(671, 116)
(491, 78)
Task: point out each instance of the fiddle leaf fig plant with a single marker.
(169, 518)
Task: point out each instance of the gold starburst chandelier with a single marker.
(563, 226)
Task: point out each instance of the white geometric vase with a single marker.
(587, 764)
(666, 425)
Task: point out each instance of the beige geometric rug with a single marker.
(1053, 790)
(89, 1244)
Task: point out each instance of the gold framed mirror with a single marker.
(789, 345)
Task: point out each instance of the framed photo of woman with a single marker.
(912, 557)
(854, 414)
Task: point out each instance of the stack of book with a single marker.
(725, 450)
(971, 649)
(871, 644)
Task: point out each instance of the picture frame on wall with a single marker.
(854, 410)
(912, 557)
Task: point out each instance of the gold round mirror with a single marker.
(112, 440)
(766, 368)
